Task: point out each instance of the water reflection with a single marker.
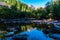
(33, 34)
(8, 38)
(36, 35)
(30, 34)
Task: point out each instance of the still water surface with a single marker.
(33, 34)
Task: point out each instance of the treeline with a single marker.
(16, 9)
(53, 9)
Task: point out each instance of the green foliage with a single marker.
(18, 5)
(16, 9)
(54, 9)
(1, 0)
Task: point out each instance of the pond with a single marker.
(33, 34)
(29, 32)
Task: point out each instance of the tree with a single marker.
(56, 10)
(40, 13)
(24, 7)
(18, 5)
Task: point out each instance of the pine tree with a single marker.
(18, 5)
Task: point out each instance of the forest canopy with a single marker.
(17, 9)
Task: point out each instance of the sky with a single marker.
(36, 3)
